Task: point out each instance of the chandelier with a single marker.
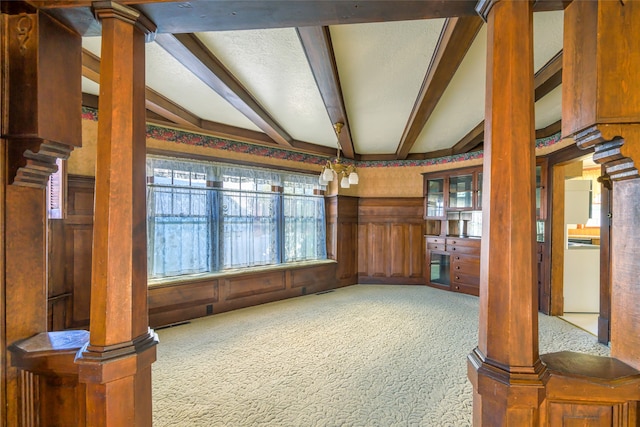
(336, 168)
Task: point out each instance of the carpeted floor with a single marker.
(365, 355)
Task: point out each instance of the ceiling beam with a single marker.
(196, 58)
(154, 101)
(455, 39)
(173, 115)
(546, 79)
(470, 140)
(169, 110)
(198, 16)
(90, 66)
(316, 43)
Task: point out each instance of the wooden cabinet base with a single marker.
(50, 393)
(589, 390)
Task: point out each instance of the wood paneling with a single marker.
(309, 277)
(243, 287)
(342, 237)
(604, 86)
(181, 301)
(390, 241)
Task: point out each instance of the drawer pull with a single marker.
(457, 267)
(457, 257)
(454, 248)
(457, 278)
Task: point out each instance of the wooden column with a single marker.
(600, 111)
(116, 364)
(41, 123)
(505, 368)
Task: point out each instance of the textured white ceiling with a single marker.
(461, 107)
(547, 36)
(272, 66)
(381, 68)
(90, 87)
(168, 77)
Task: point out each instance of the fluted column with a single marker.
(116, 364)
(505, 368)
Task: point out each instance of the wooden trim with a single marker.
(196, 58)
(556, 218)
(455, 40)
(316, 43)
(470, 140)
(552, 129)
(604, 319)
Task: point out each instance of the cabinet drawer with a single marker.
(440, 240)
(465, 265)
(466, 289)
(466, 250)
(466, 279)
(456, 241)
(436, 246)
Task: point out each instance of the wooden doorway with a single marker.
(569, 245)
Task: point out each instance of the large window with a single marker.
(208, 217)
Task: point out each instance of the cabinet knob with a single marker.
(457, 278)
(457, 267)
(454, 249)
(458, 257)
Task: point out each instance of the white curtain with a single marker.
(206, 217)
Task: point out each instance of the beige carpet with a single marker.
(365, 355)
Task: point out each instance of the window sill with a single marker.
(188, 278)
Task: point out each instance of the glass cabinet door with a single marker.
(439, 269)
(435, 197)
(461, 191)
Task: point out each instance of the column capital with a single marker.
(111, 9)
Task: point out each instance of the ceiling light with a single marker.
(335, 167)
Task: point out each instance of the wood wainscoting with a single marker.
(371, 240)
(390, 241)
(70, 248)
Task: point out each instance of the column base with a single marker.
(505, 395)
(118, 381)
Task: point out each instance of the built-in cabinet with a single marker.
(453, 228)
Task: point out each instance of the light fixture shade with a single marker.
(353, 178)
(344, 183)
(321, 180)
(327, 175)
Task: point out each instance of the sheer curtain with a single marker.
(207, 217)
(181, 214)
(250, 212)
(304, 220)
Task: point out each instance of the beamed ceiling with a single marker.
(407, 78)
